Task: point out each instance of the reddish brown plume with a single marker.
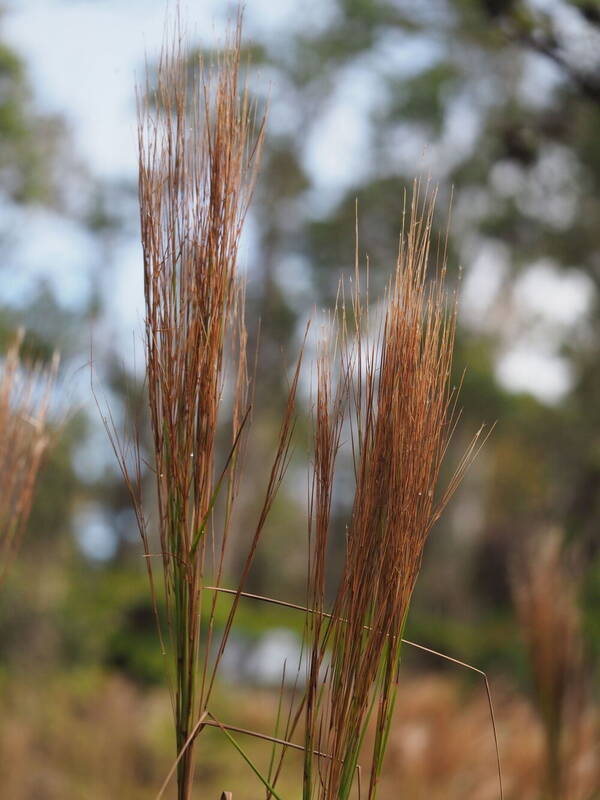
(397, 384)
(25, 393)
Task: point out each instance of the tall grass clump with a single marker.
(199, 145)
(196, 172)
(25, 392)
(390, 387)
(545, 596)
(395, 382)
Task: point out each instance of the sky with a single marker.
(84, 57)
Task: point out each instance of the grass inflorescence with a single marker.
(25, 393)
(394, 382)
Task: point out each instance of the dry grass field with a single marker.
(100, 738)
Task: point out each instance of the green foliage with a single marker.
(482, 643)
(28, 142)
(590, 601)
(423, 98)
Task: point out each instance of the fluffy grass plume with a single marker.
(25, 392)
(196, 173)
(396, 383)
(199, 145)
(545, 596)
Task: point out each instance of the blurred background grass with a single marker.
(499, 102)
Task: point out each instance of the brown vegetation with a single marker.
(104, 738)
(392, 387)
(197, 167)
(24, 398)
(199, 145)
(397, 382)
(545, 596)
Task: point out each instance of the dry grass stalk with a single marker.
(199, 145)
(24, 399)
(401, 415)
(545, 597)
